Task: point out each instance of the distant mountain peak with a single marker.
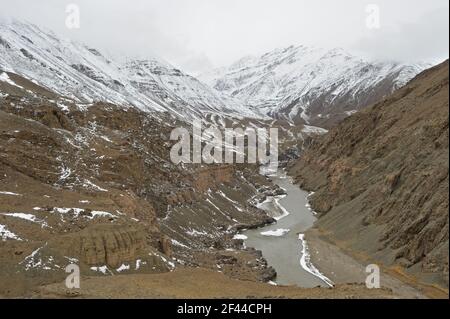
(310, 85)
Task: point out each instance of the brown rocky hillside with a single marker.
(381, 180)
(92, 184)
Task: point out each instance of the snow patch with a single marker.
(36, 260)
(195, 233)
(314, 130)
(139, 263)
(276, 233)
(123, 267)
(168, 262)
(240, 236)
(5, 234)
(90, 185)
(105, 138)
(65, 173)
(5, 78)
(177, 243)
(76, 212)
(29, 217)
(102, 269)
(305, 262)
(10, 193)
(63, 107)
(72, 260)
(97, 213)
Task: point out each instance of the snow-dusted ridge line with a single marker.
(86, 75)
(288, 82)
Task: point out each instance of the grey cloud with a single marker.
(196, 34)
(425, 39)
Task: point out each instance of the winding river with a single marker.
(282, 244)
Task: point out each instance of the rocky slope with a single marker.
(381, 180)
(93, 184)
(310, 85)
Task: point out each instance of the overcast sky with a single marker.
(198, 34)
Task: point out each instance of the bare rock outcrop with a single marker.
(107, 244)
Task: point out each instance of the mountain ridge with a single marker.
(310, 85)
(87, 75)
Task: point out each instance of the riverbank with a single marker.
(331, 261)
(343, 267)
(323, 262)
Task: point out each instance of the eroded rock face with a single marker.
(166, 245)
(110, 245)
(381, 178)
(83, 181)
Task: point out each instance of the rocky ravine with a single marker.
(381, 180)
(93, 184)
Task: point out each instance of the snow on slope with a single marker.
(86, 75)
(309, 84)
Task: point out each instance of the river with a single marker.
(282, 244)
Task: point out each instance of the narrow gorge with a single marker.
(86, 176)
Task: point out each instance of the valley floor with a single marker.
(192, 283)
(349, 267)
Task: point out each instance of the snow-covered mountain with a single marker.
(310, 85)
(86, 75)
